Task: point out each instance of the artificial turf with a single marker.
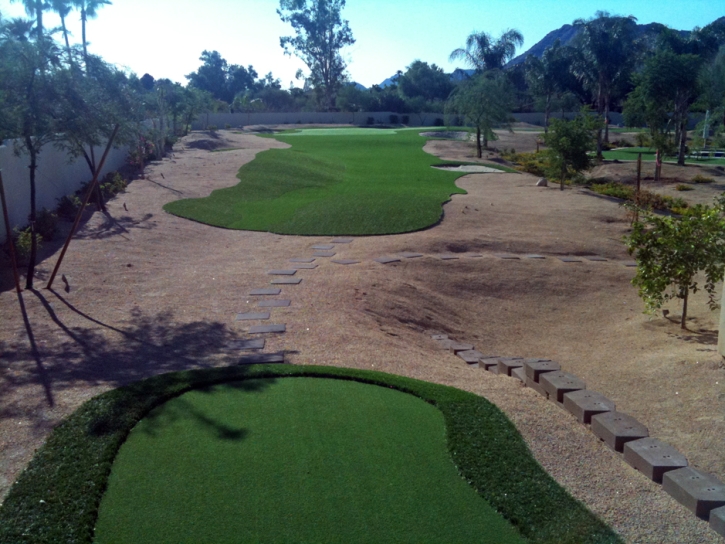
(648, 154)
(56, 498)
(332, 182)
(293, 460)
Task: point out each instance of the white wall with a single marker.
(235, 120)
(55, 177)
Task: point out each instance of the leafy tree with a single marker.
(222, 80)
(485, 102)
(608, 50)
(427, 81)
(569, 144)
(671, 251)
(547, 76)
(483, 52)
(320, 35)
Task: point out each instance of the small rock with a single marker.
(542, 183)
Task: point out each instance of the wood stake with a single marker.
(10, 236)
(83, 207)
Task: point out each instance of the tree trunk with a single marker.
(606, 120)
(33, 215)
(683, 324)
(682, 143)
(83, 37)
(658, 164)
(561, 181)
(547, 111)
(478, 143)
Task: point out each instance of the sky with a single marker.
(166, 37)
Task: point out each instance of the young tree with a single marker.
(486, 103)
(320, 35)
(569, 144)
(483, 52)
(671, 251)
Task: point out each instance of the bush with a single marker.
(647, 199)
(438, 122)
(621, 143)
(212, 128)
(68, 206)
(699, 178)
(683, 187)
(227, 126)
(23, 240)
(405, 119)
(46, 224)
(532, 163)
(371, 121)
(393, 119)
(642, 139)
(112, 184)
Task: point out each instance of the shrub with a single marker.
(699, 178)
(642, 139)
(46, 224)
(683, 187)
(405, 119)
(212, 128)
(621, 143)
(532, 163)
(438, 122)
(227, 126)
(23, 240)
(112, 184)
(393, 119)
(647, 199)
(68, 206)
(371, 121)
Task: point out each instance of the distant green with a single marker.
(648, 154)
(293, 460)
(353, 181)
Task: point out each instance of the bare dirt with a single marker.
(150, 292)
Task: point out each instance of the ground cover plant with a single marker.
(56, 498)
(332, 182)
(314, 459)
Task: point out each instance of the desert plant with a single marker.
(112, 184)
(68, 206)
(23, 242)
(683, 187)
(46, 224)
(699, 178)
(642, 139)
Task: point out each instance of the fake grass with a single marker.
(648, 154)
(354, 181)
(293, 460)
(56, 498)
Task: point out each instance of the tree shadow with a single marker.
(112, 226)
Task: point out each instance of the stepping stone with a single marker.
(507, 256)
(696, 490)
(302, 260)
(471, 357)
(324, 254)
(536, 386)
(323, 246)
(569, 259)
(507, 364)
(249, 316)
(261, 292)
(534, 256)
(488, 362)
(342, 241)
(653, 458)
(616, 429)
(493, 369)
(585, 404)
(445, 343)
(409, 255)
(630, 264)
(386, 260)
(717, 520)
(475, 256)
(535, 368)
(262, 358)
(286, 281)
(344, 261)
(519, 373)
(282, 272)
(439, 336)
(448, 257)
(305, 266)
(263, 329)
(595, 258)
(455, 347)
(279, 303)
(557, 383)
(255, 343)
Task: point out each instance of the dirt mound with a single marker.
(207, 140)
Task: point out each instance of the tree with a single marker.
(89, 10)
(222, 80)
(547, 76)
(483, 52)
(671, 251)
(608, 49)
(569, 144)
(485, 102)
(35, 8)
(62, 8)
(427, 81)
(320, 35)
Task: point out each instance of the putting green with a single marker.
(293, 460)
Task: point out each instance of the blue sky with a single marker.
(166, 37)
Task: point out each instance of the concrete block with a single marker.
(265, 292)
(487, 362)
(323, 246)
(286, 281)
(519, 373)
(585, 404)
(262, 358)
(251, 316)
(535, 386)
(264, 329)
(535, 368)
(696, 490)
(342, 241)
(274, 303)
(410, 255)
(305, 266)
(439, 336)
(386, 260)
(493, 369)
(470, 356)
(253, 344)
(345, 261)
(616, 429)
(557, 383)
(285, 272)
(653, 458)
(455, 347)
(323, 254)
(507, 364)
(717, 520)
(300, 260)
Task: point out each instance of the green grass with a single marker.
(352, 181)
(342, 461)
(648, 154)
(56, 498)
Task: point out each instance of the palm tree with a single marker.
(35, 8)
(608, 49)
(484, 53)
(62, 8)
(88, 9)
